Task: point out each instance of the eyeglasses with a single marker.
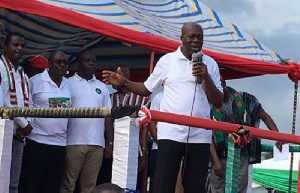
(61, 61)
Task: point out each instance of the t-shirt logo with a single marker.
(98, 90)
(59, 102)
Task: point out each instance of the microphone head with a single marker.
(195, 57)
(200, 54)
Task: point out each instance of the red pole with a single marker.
(222, 126)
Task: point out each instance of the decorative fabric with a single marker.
(236, 113)
(232, 167)
(253, 107)
(130, 99)
(243, 109)
(11, 82)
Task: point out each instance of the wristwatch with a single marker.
(125, 83)
(110, 143)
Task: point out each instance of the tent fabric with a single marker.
(276, 179)
(72, 25)
(275, 174)
(164, 18)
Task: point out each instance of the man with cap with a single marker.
(35, 65)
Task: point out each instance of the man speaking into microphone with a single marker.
(177, 72)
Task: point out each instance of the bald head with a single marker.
(191, 38)
(188, 26)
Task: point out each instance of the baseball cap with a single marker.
(38, 62)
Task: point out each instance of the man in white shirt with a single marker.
(15, 89)
(176, 72)
(45, 149)
(86, 137)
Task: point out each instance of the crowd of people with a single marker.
(68, 155)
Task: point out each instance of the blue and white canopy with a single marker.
(124, 32)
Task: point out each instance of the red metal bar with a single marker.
(222, 126)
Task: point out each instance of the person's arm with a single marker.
(109, 137)
(214, 96)
(116, 79)
(217, 165)
(144, 148)
(153, 130)
(266, 118)
(22, 122)
(144, 138)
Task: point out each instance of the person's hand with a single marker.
(144, 117)
(108, 151)
(113, 78)
(199, 69)
(218, 169)
(27, 130)
(23, 132)
(279, 144)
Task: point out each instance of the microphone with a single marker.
(197, 57)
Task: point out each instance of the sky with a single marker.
(275, 23)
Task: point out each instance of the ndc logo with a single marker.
(98, 90)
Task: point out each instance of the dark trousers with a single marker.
(152, 163)
(105, 172)
(42, 168)
(195, 167)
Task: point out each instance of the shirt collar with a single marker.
(80, 78)
(46, 77)
(179, 54)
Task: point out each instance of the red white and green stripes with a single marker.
(12, 86)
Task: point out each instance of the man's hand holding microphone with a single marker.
(199, 68)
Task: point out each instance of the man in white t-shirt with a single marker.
(86, 137)
(176, 72)
(45, 149)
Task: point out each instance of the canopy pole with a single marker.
(151, 65)
(293, 133)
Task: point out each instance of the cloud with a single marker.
(284, 40)
(230, 6)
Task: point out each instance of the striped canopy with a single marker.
(124, 32)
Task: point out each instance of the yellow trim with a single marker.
(232, 28)
(212, 15)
